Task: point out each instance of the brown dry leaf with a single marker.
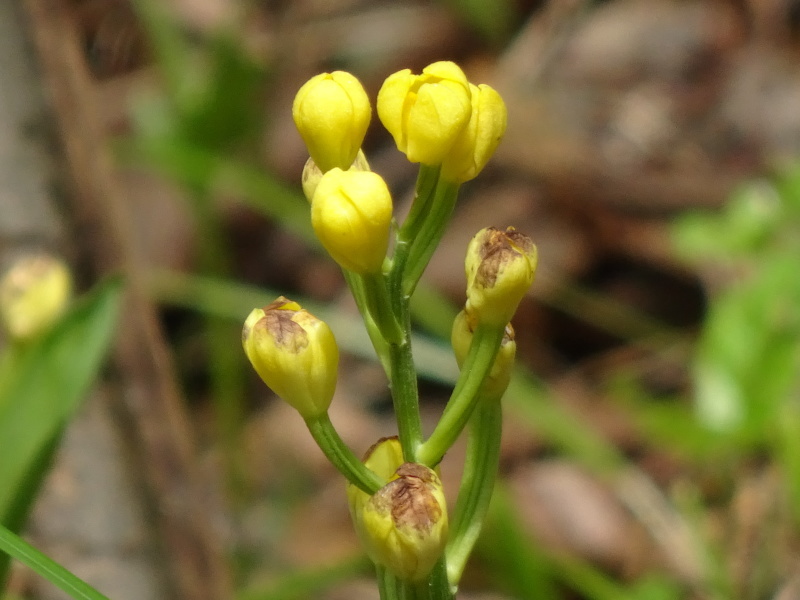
(566, 510)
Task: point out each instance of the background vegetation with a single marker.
(652, 434)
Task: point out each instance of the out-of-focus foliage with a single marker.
(747, 356)
(42, 384)
(747, 359)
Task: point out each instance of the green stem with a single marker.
(341, 456)
(356, 284)
(430, 234)
(477, 484)
(420, 208)
(438, 585)
(379, 305)
(402, 376)
(411, 591)
(479, 361)
(423, 194)
(388, 585)
(392, 320)
(405, 397)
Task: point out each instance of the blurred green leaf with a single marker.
(226, 112)
(748, 352)
(46, 385)
(14, 546)
(744, 227)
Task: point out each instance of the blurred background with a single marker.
(652, 434)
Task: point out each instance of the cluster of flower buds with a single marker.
(451, 127)
(436, 118)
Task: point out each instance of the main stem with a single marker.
(405, 395)
(409, 232)
(390, 315)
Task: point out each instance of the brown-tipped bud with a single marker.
(294, 353)
(500, 266)
(404, 525)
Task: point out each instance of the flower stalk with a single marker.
(341, 456)
(450, 127)
(478, 364)
(477, 484)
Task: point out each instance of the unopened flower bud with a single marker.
(426, 113)
(403, 526)
(33, 294)
(332, 113)
(294, 353)
(500, 266)
(351, 213)
(479, 139)
(499, 377)
(312, 173)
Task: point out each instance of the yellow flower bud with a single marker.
(351, 213)
(403, 526)
(332, 113)
(479, 139)
(500, 266)
(312, 173)
(499, 377)
(33, 294)
(426, 113)
(294, 353)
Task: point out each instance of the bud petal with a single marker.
(294, 353)
(425, 113)
(479, 139)
(312, 174)
(499, 377)
(403, 526)
(500, 266)
(332, 113)
(33, 294)
(351, 213)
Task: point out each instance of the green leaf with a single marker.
(46, 384)
(16, 547)
(747, 354)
